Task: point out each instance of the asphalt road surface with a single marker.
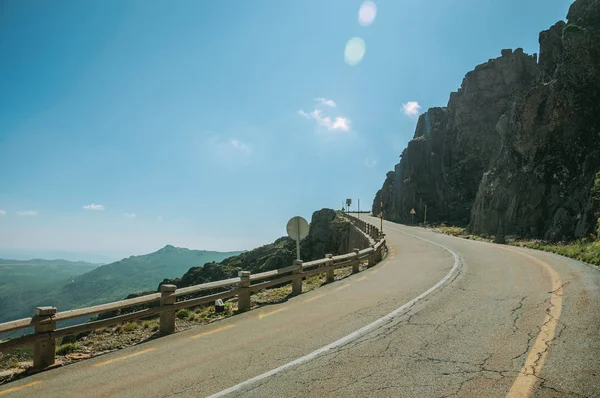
(490, 321)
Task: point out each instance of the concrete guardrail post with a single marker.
(330, 270)
(167, 318)
(356, 262)
(44, 348)
(297, 281)
(379, 254)
(372, 257)
(244, 291)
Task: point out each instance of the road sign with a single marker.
(413, 212)
(348, 203)
(297, 229)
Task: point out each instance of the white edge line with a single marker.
(354, 335)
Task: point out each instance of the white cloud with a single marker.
(370, 162)
(325, 101)
(340, 123)
(27, 213)
(94, 207)
(129, 215)
(240, 146)
(2, 212)
(411, 108)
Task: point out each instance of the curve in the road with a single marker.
(525, 383)
(379, 323)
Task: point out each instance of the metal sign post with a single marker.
(348, 204)
(358, 209)
(381, 216)
(297, 229)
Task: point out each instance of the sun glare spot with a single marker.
(367, 13)
(355, 51)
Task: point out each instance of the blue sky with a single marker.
(207, 124)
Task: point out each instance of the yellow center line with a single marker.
(33, 383)
(342, 287)
(525, 383)
(212, 331)
(124, 357)
(313, 298)
(261, 316)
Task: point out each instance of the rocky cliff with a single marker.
(517, 147)
(329, 233)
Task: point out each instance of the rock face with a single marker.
(517, 147)
(331, 234)
(540, 183)
(453, 146)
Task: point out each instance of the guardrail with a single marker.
(167, 304)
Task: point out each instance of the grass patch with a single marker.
(68, 348)
(183, 313)
(450, 230)
(583, 250)
(11, 358)
(130, 327)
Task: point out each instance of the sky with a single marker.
(129, 125)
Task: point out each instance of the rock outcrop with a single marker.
(540, 183)
(329, 233)
(517, 147)
(453, 146)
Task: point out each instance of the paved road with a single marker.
(506, 322)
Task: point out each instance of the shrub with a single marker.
(65, 349)
(130, 327)
(183, 313)
(13, 363)
(155, 327)
(145, 325)
(118, 329)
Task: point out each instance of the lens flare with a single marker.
(355, 51)
(367, 13)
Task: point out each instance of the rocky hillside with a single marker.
(329, 233)
(516, 149)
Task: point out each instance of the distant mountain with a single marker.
(17, 276)
(102, 258)
(42, 262)
(137, 273)
(69, 289)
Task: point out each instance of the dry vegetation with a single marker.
(108, 339)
